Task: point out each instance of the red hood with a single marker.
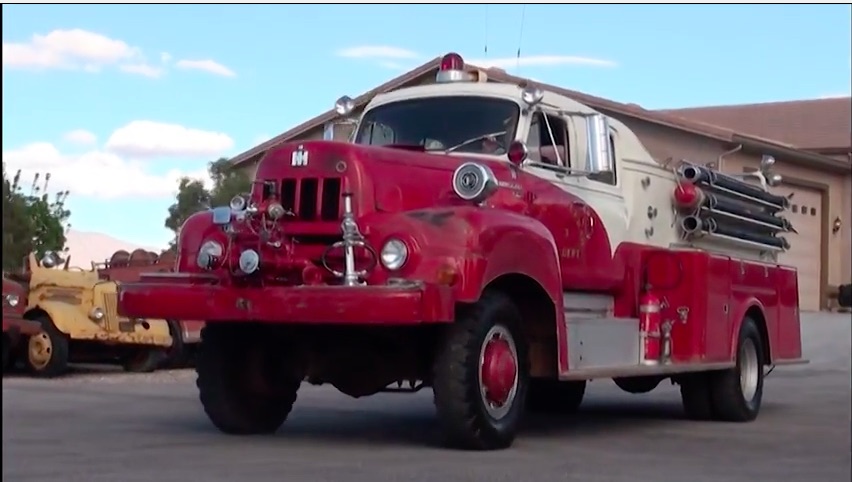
(384, 178)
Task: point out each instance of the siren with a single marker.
(452, 69)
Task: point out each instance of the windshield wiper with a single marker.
(475, 139)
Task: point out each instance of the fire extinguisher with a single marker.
(650, 321)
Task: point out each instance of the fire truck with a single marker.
(499, 244)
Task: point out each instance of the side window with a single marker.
(548, 136)
(608, 177)
(377, 135)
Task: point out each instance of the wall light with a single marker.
(836, 226)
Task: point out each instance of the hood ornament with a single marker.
(299, 158)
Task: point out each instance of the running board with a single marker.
(644, 370)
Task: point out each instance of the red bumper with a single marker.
(189, 297)
(15, 325)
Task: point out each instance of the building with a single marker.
(820, 182)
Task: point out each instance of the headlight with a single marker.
(49, 260)
(97, 314)
(249, 261)
(208, 254)
(474, 182)
(238, 203)
(11, 300)
(394, 254)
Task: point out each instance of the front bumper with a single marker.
(181, 296)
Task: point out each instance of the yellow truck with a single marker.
(80, 322)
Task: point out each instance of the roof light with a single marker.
(452, 69)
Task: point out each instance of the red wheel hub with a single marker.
(498, 371)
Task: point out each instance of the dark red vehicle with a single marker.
(499, 244)
(15, 327)
(124, 267)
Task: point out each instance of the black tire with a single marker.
(144, 360)
(730, 403)
(223, 366)
(48, 351)
(176, 354)
(695, 393)
(554, 396)
(464, 418)
(844, 296)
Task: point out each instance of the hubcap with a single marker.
(498, 372)
(749, 370)
(40, 350)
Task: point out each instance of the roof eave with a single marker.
(806, 158)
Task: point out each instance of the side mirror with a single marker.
(598, 149)
(344, 105)
(342, 130)
(766, 162)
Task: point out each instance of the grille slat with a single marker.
(312, 199)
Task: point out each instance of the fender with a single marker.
(67, 319)
(738, 315)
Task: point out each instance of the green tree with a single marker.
(32, 222)
(192, 196)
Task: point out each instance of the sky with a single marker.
(118, 102)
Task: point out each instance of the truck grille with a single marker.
(312, 199)
(111, 310)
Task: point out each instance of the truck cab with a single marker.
(499, 244)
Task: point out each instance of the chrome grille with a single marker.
(312, 199)
(111, 310)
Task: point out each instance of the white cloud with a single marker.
(80, 137)
(95, 174)
(207, 66)
(143, 69)
(165, 57)
(383, 52)
(66, 49)
(148, 139)
(541, 61)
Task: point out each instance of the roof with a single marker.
(765, 145)
(814, 124)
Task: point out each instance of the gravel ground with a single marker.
(105, 425)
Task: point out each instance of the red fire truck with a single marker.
(499, 244)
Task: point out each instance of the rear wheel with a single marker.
(7, 353)
(144, 360)
(737, 393)
(245, 382)
(480, 375)
(47, 351)
(554, 396)
(176, 355)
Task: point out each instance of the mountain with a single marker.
(85, 247)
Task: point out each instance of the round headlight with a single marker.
(209, 252)
(12, 300)
(474, 182)
(97, 314)
(249, 261)
(238, 203)
(49, 260)
(394, 254)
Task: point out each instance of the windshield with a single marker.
(484, 125)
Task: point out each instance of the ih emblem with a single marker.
(299, 157)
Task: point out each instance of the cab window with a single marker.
(548, 136)
(608, 176)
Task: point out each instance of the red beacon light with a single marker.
(452, 69)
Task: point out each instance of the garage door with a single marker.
(804, 253)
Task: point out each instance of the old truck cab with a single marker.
(500, 244)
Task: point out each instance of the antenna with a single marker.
(486, 30)
(520, 38)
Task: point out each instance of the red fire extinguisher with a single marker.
(650, 320)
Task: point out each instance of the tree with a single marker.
(192, 196)
(32, 222)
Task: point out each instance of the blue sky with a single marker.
(156, 91)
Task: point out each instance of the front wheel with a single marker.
(47, 351)
(481, 375)
(247, 384)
